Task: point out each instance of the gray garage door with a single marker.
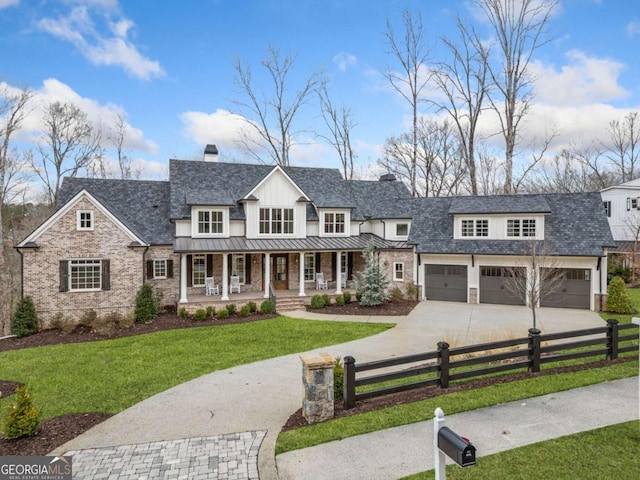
(446, 282)
(573, 291)
(502, 285)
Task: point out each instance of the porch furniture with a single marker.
(210, 287)
(321, 283)
(343, 280)
(235, 284)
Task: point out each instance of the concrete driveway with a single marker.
(260, 397)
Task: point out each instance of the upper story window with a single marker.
(402, 229)
(159, 269)
(334, 222)
(521, 227)
(84, 219)
(210, 222)
(607, 207)
(632, 203)
(276, 221)
(475, 228)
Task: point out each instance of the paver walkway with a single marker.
(260, 397)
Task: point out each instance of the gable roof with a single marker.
(499, 204)
(141, 205)
(575, 225)
(380, 199)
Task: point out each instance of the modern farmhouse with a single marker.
(234, 232)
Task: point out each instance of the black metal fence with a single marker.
(527, 352)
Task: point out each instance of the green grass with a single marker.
(607, 452)
(111, 375)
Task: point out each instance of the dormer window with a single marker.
(521, 227)
(84, 219)
(334, 222)
(475, 228)
(210, 221)
(402, 229)
(276, 221)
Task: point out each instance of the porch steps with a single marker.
(287, 304)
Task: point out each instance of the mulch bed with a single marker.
(400, 308)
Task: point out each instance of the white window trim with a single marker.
(270, 222)
(475, 228)
(164, 260)
(398, 225)
(193, 270)
(313, 267)
(195, 217)
(520, 236)
(347, 223)
(395, 279)
(70, 276)
(79, 226)
(244, 266)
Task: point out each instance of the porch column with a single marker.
(183, 278)
(267, 274)
(225, 276)
(338, 273)
(301, 293)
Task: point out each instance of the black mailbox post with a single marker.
(457, 448)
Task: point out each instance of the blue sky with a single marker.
(169, 67)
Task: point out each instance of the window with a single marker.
(276, 221)
(334, 222)
(309, 267)
(632, 203)
(85, 274)
(475, 228)
(210, 222)
(199, 264)
(344, 262)
(398, 271)
(84, 219)
(521, 227)
(607, 207)
(238, 267)
(159, 269)
(402, 229)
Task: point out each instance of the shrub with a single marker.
(338, 380)
(146, 304)
(253, 308)
(25, 319)
(340, 300)
(412, 290)
(619, 300)
(222, 314)
(65, 325)
(267, 307)
(372, 283)
(231, 308)
(200, 315)
(245, 311)
(23, 418)
(326, 298)
(182, 312)
(395, 294)
(347, 296)
(211, 311)
(317, 301)
(617, 269)
(126, 321)
(358, 297)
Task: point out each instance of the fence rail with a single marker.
(526, 352)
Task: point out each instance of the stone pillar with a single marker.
(317, 378)
(473, 295)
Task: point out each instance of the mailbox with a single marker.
(457, 448)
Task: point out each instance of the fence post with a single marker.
(534, 350)
(443, 362)
(349, 387)
(612, 339)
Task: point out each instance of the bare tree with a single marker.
(118, 137)
(272, 118)
(489, 173)
(624, 149)
(520, 28)
(535, 279)
(411, 52)
(463, 81)
(68, 144)
(340, 123)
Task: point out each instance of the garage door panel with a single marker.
(494, 285)
(446, 282)
(574, 290)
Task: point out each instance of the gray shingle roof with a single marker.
(575, 225)
(143, 206)
(497, 204)
(377, 199)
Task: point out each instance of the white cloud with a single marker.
(344, 60)
(8, 3)
(584, 80)
(111, 49)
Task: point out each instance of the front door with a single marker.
(279, 269)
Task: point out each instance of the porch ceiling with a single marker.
(241, 244)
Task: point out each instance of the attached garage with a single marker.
(497, 285)
(446, 282)
(573, 288)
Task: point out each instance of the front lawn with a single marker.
(111, 375)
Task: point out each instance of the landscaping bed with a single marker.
(399, 308)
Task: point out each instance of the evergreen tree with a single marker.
(372, 283)
(25, 319)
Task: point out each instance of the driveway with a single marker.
(261, 396)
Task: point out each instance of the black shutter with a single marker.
(350, 267)
(229, 265)
(169, 268)
(209, 264)
(64, 275)
(106, 275)
(247, 269)
(334, 264)
(318, 262)
(149, 269)
(189, 270)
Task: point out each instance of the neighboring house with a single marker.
(276, 228)
(622, 207)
